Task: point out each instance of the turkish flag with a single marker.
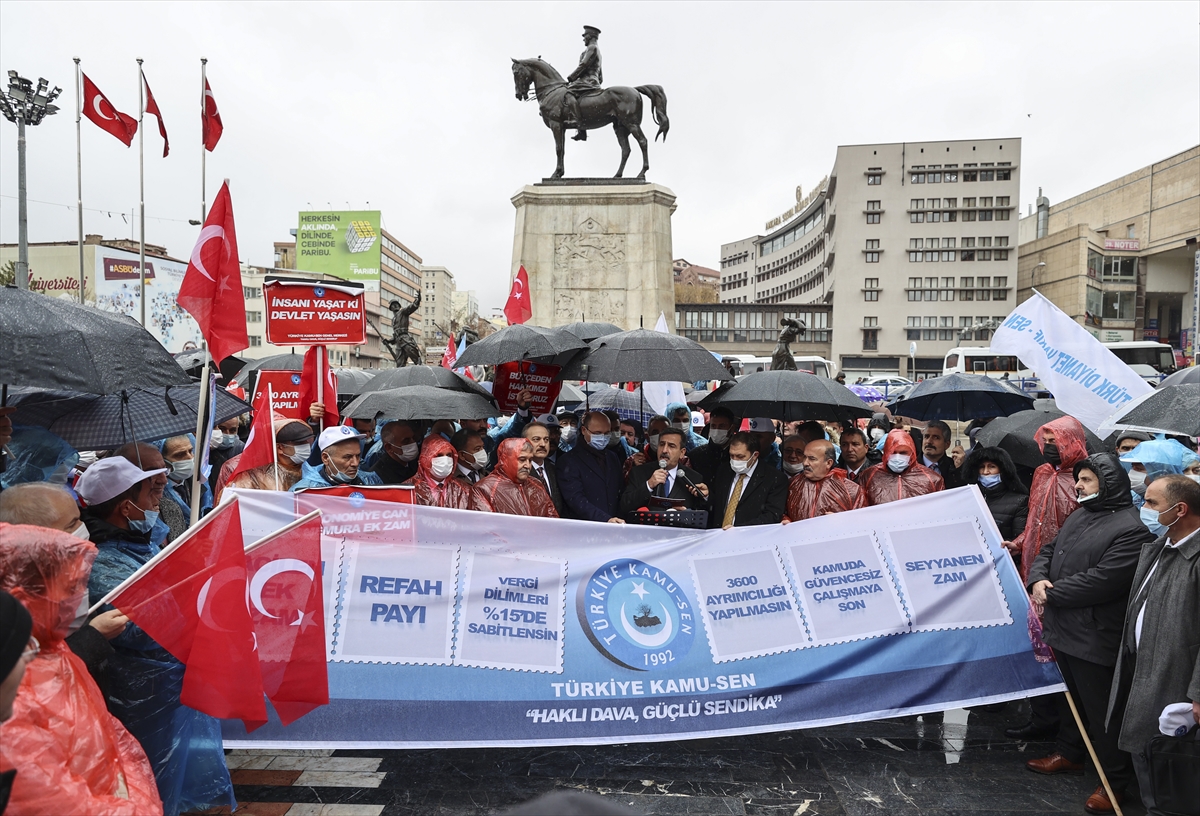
(316, 368)
(210, 119)
(518, 309)
(451, 354)
(260, 444)
(191, 600)
(152, 108)
(211, 291)
(288, 610)
(106, 117)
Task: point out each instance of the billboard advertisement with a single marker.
(346, 244)
(117, 290)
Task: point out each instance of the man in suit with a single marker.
(857, 455)
(936, 442)
(472, 456)
(544, 471)
(589, 474)
(710, 459)
(750, 492)
(665, 477)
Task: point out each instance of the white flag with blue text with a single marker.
(1087, 380)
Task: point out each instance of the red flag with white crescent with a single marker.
(99, 110)
(211, 291)
(210, 120)
(518, 309)
(450, 355)
(152, 108)
(288, 609)
(192, 601)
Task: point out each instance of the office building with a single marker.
(1121, 258)
(437, 311)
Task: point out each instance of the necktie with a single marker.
(667, 485)
(731, 508)
(541, 474)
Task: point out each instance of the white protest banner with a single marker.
(1087, 380)
(452, 628)
(661, 394)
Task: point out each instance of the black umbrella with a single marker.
(959, 397)
(193, 363)
(1183, 375)
(48, 342)
(1173, 409)
(421, 402)
(645, 355)
(433, 376)
(1015, 433)
(351, 381)
(587, 332)
(103, 422)
(276, 362)
(789, 396)
(521, 342)
(628, 404)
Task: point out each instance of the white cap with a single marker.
(697, 419)
(110, 477)
(760, 425)
(1176, 719)
(337, 433)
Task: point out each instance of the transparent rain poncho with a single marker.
(1052, 494)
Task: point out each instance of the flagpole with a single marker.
(271, 423)
(79, 169)
(203, 111)
(321, 383)
(142, 198)
(196, 451)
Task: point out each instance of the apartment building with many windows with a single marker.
(867, 240)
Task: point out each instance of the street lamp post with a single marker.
(24, 104)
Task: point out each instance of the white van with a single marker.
(750, 363)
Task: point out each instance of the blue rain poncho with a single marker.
(183, 745)
(1160, 457)
(36, 455)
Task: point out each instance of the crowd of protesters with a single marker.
(1105, 543)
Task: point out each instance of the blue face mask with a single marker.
(990, 480)
(145, 524)
(599, 441)
(1150, 519)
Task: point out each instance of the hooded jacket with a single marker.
(1007, 501)
(71, 754)
(1052, 493)
(1091, 563)
(833, 494)
(452, 492)
(880, 485)
(692, 439)
(506, 494)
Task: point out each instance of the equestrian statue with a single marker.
(581, 103)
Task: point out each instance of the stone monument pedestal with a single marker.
(595, 249)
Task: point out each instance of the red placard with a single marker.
(285, 393)
(314, 313)
(541, 380)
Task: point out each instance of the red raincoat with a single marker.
(881, 485)
(452, 492)
(506, 494)
(833, 494)
(1052, 494)
(71, 755)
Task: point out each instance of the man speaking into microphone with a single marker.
(665, 478)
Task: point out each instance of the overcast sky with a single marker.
(411, 107)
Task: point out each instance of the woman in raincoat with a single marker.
(70, 754)
(900, 475)
(1052, 493)
(434, 485)
(509, 489)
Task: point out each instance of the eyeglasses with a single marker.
(32, 649)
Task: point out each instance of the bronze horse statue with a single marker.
(618, 106)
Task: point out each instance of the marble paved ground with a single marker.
(959, 764)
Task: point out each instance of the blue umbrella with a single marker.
(868, 394)
(960, 397)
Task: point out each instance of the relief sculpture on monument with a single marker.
(589, 264)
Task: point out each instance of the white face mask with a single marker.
(683, 426)
(218, 437)
(791, 469)
(481, 458)
(81, 615)
(568, 434)
(82, 532)
(876, 434)
(1088, 497)
(182, 471)
(898, 462)
(1137, 480)
(1195, 477)
(718, 436)
(614, 437)
(653, 439)
(740, 466)
(301, 453)
(409, 452)
(441, 467)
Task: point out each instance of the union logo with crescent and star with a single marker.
(636, 615)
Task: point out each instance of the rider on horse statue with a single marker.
(585, 79)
